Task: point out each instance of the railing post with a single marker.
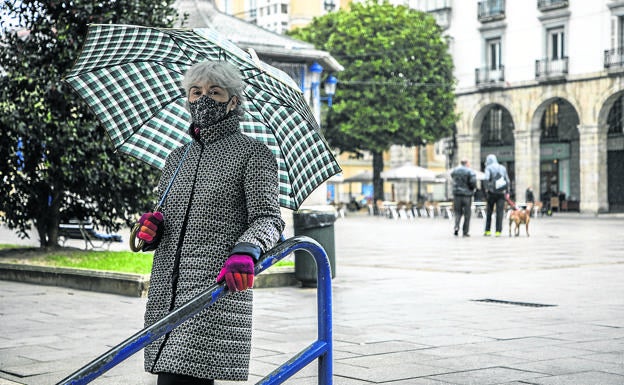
(321, 349)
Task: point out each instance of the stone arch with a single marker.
(493, 129)
(481, 109)
(606, 103)
(554, 128)
(612, 111)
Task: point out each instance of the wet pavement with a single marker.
(412, 305)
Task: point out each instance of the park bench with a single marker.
(85, 230)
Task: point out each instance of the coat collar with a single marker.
(226, 127)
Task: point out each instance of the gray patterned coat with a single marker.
(224, 200)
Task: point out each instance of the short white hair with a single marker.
(221, 73)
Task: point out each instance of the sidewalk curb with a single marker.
(133, 285)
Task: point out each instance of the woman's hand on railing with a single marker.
(238, 272)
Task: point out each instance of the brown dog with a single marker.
(518, 217)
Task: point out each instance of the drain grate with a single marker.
(527, 304)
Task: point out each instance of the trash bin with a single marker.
(318, 225)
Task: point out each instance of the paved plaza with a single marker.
(413, 305)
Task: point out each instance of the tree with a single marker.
(55, 159)
(397, 86)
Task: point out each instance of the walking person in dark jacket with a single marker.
(221, 213)
(529, 198)
(464, 184)
(497, 184)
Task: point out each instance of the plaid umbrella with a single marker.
(130, 78)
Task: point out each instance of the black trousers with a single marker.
(181, 379)
(498, 200)
(462, 206)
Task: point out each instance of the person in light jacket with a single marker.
(497, 185)
(464, 184)
(221, 213)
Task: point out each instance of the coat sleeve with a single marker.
(508, 189)
(472, 181)
(263, 210)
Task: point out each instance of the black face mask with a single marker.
(206, 112)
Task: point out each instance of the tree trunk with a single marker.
(378, 186)
(47, 224)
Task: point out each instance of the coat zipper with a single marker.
(176, 264)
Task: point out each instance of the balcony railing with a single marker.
(614, 59)
(490, 10)
(551, 69)
(547, 5)
(432, 5)
(488, 77)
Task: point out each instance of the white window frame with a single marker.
(556, 43)
(617, 25)
(494, 53)
(617, 32)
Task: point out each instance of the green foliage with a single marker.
(69, 167)
(397, 86)
(120, 261)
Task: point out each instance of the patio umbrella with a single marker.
(410, 172)
(364, 176)
(130, 78)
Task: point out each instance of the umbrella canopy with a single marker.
(338, 178)
(130, 78)
(410, 172)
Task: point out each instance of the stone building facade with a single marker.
(541, 85)
(582, 159)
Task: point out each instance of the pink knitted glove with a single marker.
(238, 272)
(149, 224)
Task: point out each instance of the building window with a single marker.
(494, 53)
(494, 125)
(556, 43)
(614, 120)
(329, 5)
(497, 127)
(285, 9)
(550, 122)
(490, 10)
(546, 5)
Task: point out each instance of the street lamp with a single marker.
(330, 89)
(315, 82)
(315, 79)
(450, 148)
(315, 71)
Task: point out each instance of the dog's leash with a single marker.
(512, 204)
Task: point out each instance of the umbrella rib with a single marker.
(135, 130)
(266, 123)
(113, 65)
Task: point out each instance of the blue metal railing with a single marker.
(321, 349)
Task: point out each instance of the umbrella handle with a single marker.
(133, 246)
(135, 230)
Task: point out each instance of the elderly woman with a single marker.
(220, 215)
